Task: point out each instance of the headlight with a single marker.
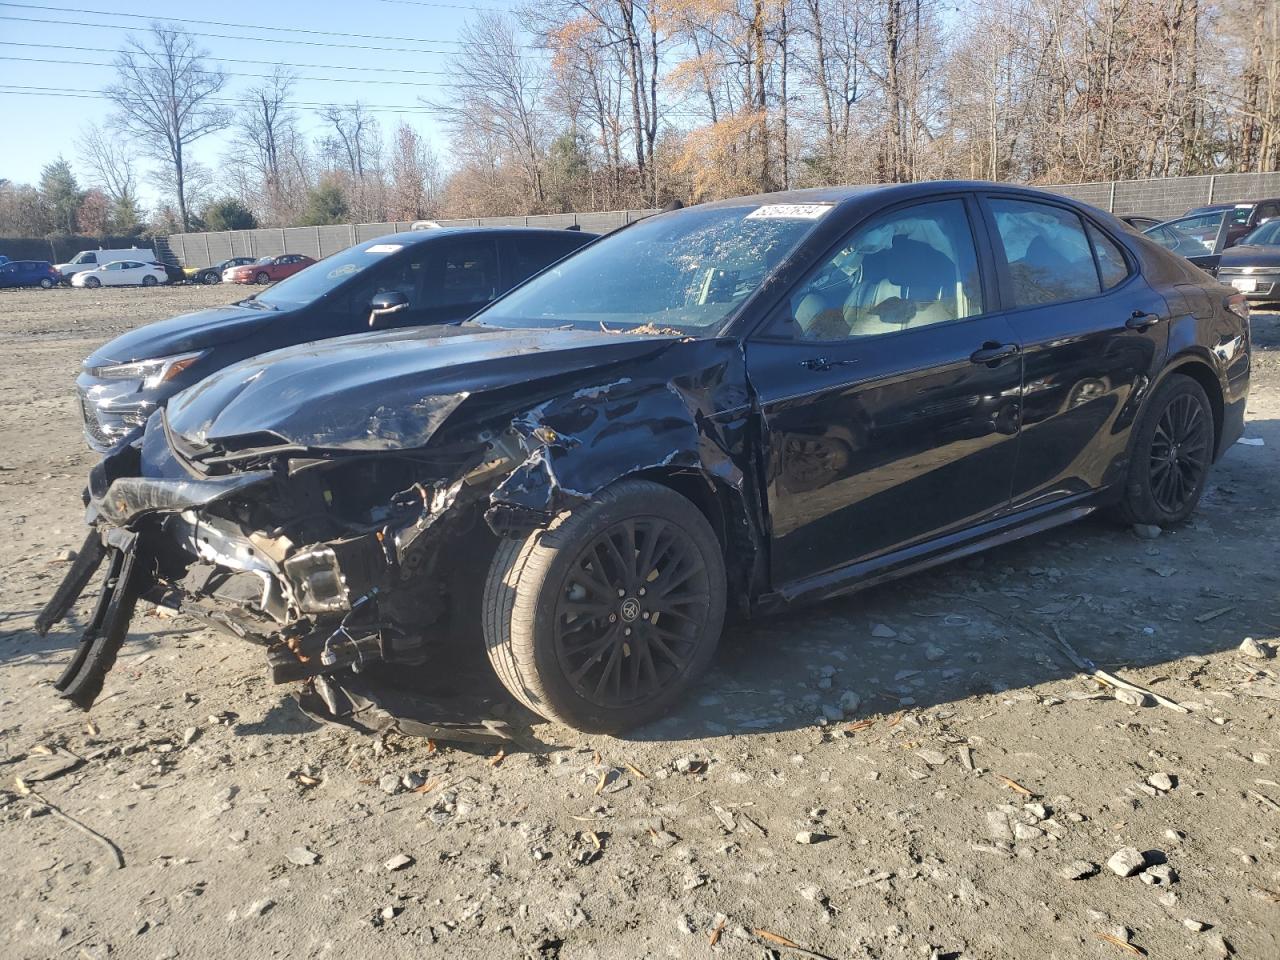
(152, 373)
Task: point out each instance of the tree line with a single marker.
(575, 105)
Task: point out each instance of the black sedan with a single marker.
(1253, 265)
(213, 274)
(718, 410)
(424, 277)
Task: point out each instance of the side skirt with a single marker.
(901, 563)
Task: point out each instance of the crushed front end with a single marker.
(330, 561)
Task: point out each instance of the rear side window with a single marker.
(532, 255)
(1111, 262)
(1049, 255)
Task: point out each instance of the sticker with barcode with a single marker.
(789, 211)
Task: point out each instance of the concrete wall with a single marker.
(1163, 199)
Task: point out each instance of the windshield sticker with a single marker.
(343, 271)
(384, 248)
(789, 211)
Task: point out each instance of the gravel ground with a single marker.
(906, 773)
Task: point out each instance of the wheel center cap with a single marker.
(630, 609)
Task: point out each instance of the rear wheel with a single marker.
(262, 277)
(149, 281)
(1171, 455)
(603, 620)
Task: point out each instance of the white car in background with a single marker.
(122, 273)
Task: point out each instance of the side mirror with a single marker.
(386, 303)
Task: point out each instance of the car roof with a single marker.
(408, 237)
(884, 192)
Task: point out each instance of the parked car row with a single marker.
(140, 267)
(1238, 242)
(584, 454)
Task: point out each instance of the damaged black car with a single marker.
(717, 411)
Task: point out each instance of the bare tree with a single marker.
(497, 96)
(415, 177)
(167, 97)
(112, 165)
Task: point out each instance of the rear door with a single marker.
(462, 276)
(889, 392)
(1093, 335)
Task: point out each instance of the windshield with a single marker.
(1268, 233)
(681, 273)
(319, 278)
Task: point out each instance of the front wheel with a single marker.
(1172, 451)
(603, 620)
(92, 282)
(210, 278)
(262, 277)
(46, 283)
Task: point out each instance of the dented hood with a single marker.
(383, 391)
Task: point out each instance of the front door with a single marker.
(889, 394)
(1093, 335)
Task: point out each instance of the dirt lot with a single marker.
(967, 807)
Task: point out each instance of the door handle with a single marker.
(824, 363)
(1139, 320)
(993, 354)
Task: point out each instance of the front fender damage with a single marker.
(303, 551)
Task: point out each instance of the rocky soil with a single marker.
(919, 771)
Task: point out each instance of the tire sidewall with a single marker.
(566, 541)
(1140, 505)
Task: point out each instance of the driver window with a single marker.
(906, 269)
(87, 258)
(404, 275)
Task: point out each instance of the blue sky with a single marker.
(39, 126)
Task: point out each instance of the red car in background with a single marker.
(267, 269)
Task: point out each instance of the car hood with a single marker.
(184, 334)
(383, 391)
(1251, 255)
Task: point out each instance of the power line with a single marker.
(238, 26)
(83, 93)
(267, 63)
(292, 42)
(262, 76)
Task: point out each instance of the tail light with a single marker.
(1239, 305)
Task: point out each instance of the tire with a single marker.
(262, 277)
(1166, 479)
(92, 282)
(209, 278)
(532, 583)
(46, 284)
(149, 281)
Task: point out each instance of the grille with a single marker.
(91, 424)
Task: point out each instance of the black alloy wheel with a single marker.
(630, 611)
(602, 620)
(209, 277)
(1172, 449)
(1179, 453)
